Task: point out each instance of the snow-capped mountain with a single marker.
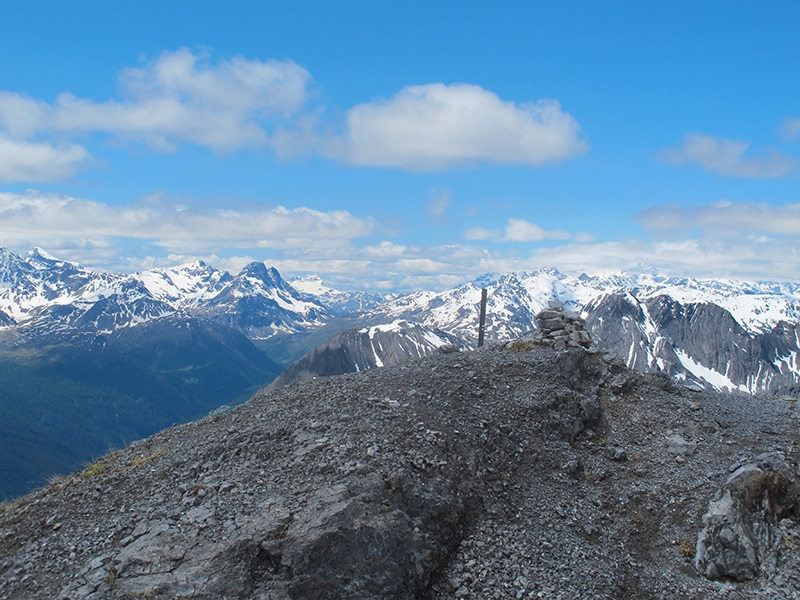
(366, 348)
(185, 286)
(261, 304)
(43, 293)
(698, 341)
(745, 343)
(336, 301)
(650, 321)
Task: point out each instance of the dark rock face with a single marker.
(366, 348)
(660, 334)
(486, 474)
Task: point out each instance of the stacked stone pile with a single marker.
(561, 328)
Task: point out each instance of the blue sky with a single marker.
(404, 145)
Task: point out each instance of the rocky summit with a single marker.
(508, 472)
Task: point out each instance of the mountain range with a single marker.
(93, 360)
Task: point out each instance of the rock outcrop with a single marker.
(364, 348)
(741, 537)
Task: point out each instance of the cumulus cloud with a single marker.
(179, 97)
(727, 157)
(436, 126)
(36, 217)
(227, 105)
(33, 161)
(722, 219)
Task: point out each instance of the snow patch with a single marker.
(717, 380)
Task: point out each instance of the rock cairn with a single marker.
(561, 328)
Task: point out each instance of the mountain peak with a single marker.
(42, 260)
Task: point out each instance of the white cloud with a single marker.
(516, 230)
(113, 237)
(184, 97)
(480, 233)
(32, 161)
(384, 250)
(723, 219)
(727, 157)
(179, 97)
(36, 218)
(520, 230)
(436, 126)
(741, 259)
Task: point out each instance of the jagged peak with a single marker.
(41, 260)
(37, 252)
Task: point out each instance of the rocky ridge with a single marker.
(497, 473)
(367, 348)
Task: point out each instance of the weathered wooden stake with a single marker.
(482, 321)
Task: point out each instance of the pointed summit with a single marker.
(40, 259)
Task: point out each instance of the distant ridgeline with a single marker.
(91, 360)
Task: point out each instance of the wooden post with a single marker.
(482, 322)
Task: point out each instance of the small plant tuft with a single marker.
(686, 548)
(102, 464)
(521, 346)
(95, 469)
(143, 460)
(111, 576)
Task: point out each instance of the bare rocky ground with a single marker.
(513, 472)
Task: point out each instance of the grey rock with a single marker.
(741, 539)
(591, 409)
(678, 445)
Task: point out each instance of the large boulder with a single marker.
(741, 539)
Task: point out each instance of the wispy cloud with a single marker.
(176, 228)
(342, 247)
(722, 219)
(748, 259)
(790, 128)
(516, 230)
(438, 204)
(727, 157)
(21, 160)
(520, 230)
(436, 126)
